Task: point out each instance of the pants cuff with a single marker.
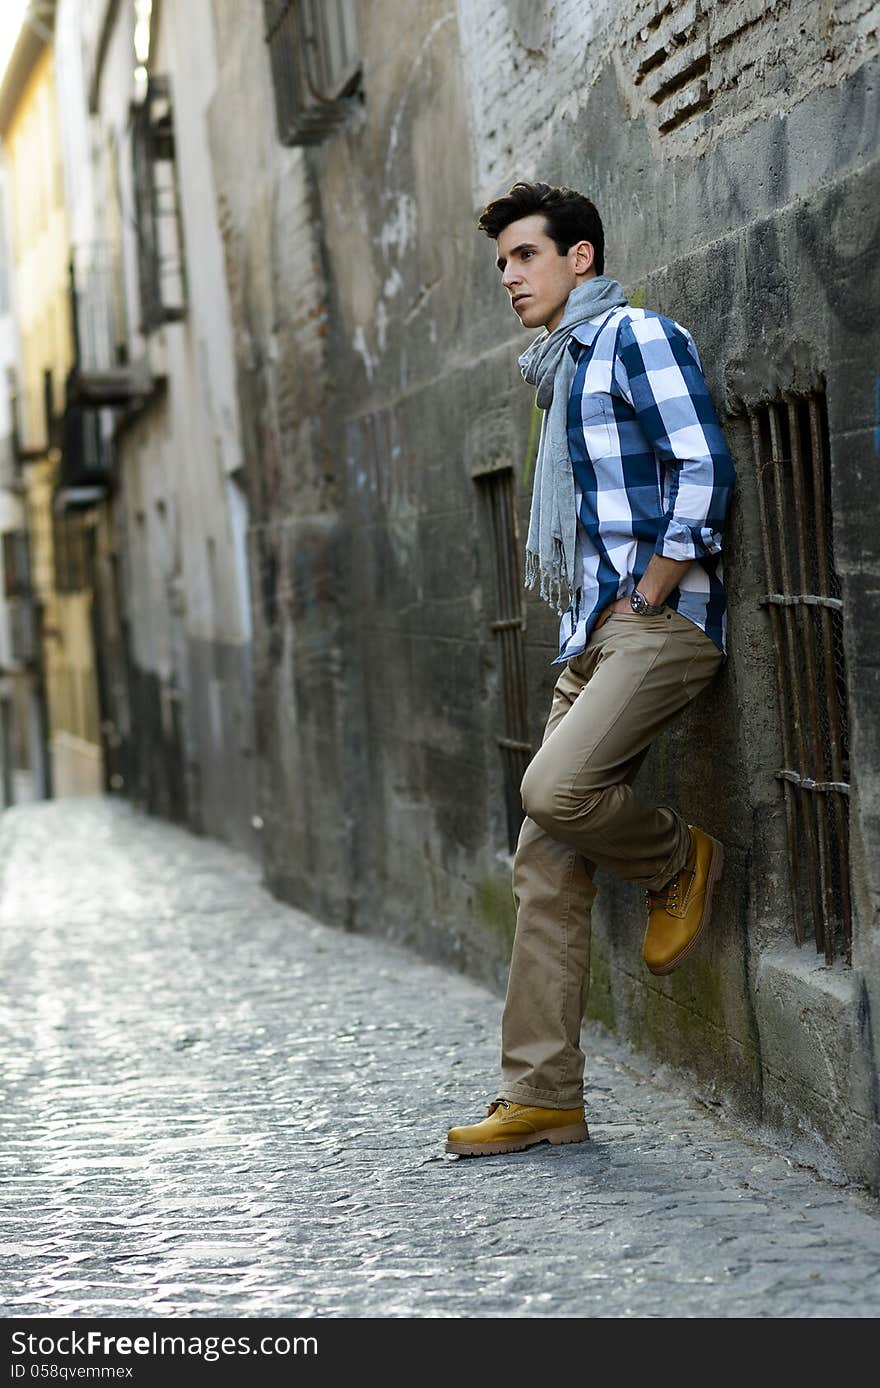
(541, 1098)
(674, 863)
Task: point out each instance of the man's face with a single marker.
(537, 278)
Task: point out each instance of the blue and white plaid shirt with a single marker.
(652, 473)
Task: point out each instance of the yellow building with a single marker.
(62, 540)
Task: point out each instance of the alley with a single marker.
(216, 1106)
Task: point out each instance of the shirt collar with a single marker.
(586, 333)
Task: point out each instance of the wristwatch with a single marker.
(642, 607)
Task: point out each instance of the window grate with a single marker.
(161, 270)
(98, 306)
(805, 611)
(16, 564)
(73, 554)
(314, 50)
(509, 628)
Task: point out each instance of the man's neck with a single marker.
(560, 313)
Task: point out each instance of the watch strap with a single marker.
(644, 607)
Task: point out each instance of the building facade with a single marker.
(154, 380)
(22, 746)
(48, 558)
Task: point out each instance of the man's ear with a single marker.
(584, 258)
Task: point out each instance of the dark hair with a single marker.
(569, 216)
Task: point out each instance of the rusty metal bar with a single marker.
(513, 745)
(497, 503)
(802, 527)
(791, 810)
(824, 573)
(790, 673)
(516, 611)
(508, 628)
(801, 600)
(791, 800)
(506, 643)
(807, 783)
(795, 530)
(511, 611)
(502, 544)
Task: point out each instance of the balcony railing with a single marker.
(101, 334)
(104, 375)
(84, 473)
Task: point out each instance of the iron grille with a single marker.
(74, 567)
(19, 598)
(86, 450)
(22, 630)
(509, 627)
(16, 564)
(314, 51)
(98, 305)
(157, 209)
(805, 610)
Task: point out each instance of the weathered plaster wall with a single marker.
(731, 150)
(291, 418)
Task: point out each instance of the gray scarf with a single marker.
(553, 548)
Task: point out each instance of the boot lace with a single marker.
(666, 899)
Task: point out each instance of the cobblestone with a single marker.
(216, 1106)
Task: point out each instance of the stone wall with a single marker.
(732, 152)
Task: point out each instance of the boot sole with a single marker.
(716, 867)
(578, 1132)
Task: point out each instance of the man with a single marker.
(631, 489)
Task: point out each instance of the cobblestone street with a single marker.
(215, 1106)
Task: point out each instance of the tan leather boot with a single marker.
(678, 915)
(512, 1127)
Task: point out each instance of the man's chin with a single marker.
(530, 317)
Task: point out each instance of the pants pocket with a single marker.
(702, 666)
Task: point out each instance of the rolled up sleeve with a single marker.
(658, 371)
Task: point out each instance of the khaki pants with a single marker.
(609, 704)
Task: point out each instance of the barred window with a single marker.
(157, 208)
(314, 50)
(73, 549)
(16, 564)
(805, 609)
(497, 487)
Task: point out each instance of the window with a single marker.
(790, 439)
(315, 55)
(100, 335)
(157, 209)
(509, 624)
(17, 591)
(16, 565)
(73, 549)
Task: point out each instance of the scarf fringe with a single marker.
(555, 588)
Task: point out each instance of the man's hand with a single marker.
(657, 582)
(621, 605)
